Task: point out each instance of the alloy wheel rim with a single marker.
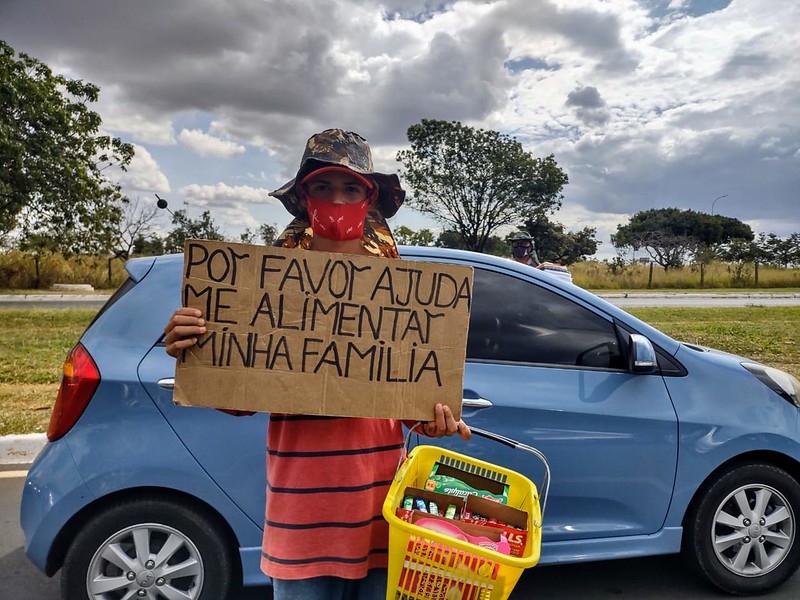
(147, 560)
(753, 530)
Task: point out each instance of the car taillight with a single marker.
(78, 384)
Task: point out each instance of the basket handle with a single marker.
(545, 487)
(406, 446)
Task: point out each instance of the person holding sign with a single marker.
(324, 535)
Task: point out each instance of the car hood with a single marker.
(722, 355)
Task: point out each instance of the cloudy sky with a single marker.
(644, 103)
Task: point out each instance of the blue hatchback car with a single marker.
(655, 446)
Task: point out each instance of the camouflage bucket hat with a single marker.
(345, 149)
(520, 236)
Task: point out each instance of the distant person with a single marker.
(523, 249)
(324, 534)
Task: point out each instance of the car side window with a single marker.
(519, 321)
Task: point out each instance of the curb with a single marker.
(21, 449)
(20, 298)
(697, 295)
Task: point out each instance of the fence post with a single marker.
(36, 268)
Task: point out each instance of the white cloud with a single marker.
(673, 103)
(208, 145)
(223, 195)
(229, 205)
(138, 122)
(143, 175)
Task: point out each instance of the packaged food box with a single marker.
(490, 514)
(457, 479)
(474, 515)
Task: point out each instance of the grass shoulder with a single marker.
(36, 342)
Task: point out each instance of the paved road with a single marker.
(52, 300)
(623, 300)
(660, 578)
(701, 300)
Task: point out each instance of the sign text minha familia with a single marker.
(321, 333)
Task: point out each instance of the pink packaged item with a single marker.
(451, 530)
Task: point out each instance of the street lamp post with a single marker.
(715, 201)
(702, 262)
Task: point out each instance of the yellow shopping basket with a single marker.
(427, 565)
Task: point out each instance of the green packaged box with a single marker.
(451, 480)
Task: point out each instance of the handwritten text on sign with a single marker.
(338, 334)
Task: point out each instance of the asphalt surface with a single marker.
(623, 300)
(700, 299)
(657, 578)
(53, 300)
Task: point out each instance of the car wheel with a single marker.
(149, 548)
(742, 535)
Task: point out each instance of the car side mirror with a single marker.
(642, 355)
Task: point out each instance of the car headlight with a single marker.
(782, 383)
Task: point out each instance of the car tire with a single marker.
(132, 549)
(743, 533)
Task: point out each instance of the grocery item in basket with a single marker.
(434, 508)
(451, 530)
(425, 565)
(445, 484)
(450, 513)
(421, 505)
(476, 518)
(408, 503)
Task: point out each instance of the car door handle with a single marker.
(476, 403)
(167, 383)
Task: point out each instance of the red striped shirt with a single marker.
(327, 478)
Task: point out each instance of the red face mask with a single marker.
(337, 221)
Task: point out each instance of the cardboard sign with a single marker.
(320, 333)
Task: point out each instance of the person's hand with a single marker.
(185, 325)
(445, 424)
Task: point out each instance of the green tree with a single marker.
(248, 236)
(671, 235)
(553, 244)
(450, 239)
(781, 252)
(407, 236)
(52, 158)
(138, 222)
(475, 181)
(268, 233)
(495, 245)
(202, 228)
(740, 252)
(148, 246)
